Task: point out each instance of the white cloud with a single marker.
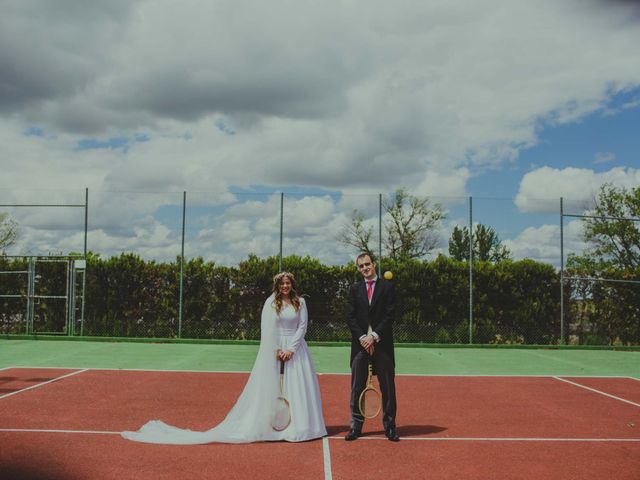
(311, 227)
(328, 94)
(308, 214)
(447, 184)
(604, 157)
(543, 243)
(356, 98)
(608, 112)
(231, 231)
(541, 189)
(254, 209)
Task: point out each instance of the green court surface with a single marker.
(328, 359)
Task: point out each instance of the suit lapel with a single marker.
(362, 291)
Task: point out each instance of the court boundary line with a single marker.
(425, 375)
(326, 455)
(38, 385)
(497, 439)
(57, 430)
(598, 391)
(325, 440)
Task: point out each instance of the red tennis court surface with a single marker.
(64, 424)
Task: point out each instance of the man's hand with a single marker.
(368, 343)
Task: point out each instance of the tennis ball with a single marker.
(388, 275)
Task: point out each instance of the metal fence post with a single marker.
(379, 234)
(561, 271)
(180, 300)
(86, 219)
(281, 229)
(71, 296)
(31, 279)
(84, 274)
(470, 270)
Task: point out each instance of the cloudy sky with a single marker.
(514, 103)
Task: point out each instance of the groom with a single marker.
(370, 313)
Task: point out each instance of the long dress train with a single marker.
(249, 420)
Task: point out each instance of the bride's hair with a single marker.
(293, 294)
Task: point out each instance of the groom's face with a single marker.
(366, 267)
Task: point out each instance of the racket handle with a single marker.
(281, 367)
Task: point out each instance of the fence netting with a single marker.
(200, 264)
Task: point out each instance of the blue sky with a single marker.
(513, 103)
(614, 136)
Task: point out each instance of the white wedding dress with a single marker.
(249, 420)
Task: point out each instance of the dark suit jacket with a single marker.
(380, 314)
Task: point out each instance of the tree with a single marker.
(357, 235)
(8, 231)
(611, 230)
(487, 246)
(409, 227)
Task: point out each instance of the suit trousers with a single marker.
(385, 371)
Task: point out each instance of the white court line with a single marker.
(485, 375)
(41, 384)
(327, 459)
(435, 375)
(498, 439)
(152, 370)
(42, 430)
(597, 391)
(325, 440)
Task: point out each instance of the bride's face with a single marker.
(285, 286)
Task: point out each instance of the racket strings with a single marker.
(370, 402)
(281, 414)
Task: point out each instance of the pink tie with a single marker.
(369, 289)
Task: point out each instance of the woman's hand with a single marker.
(285, 355)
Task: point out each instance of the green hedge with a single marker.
(513, 301)
(604, 310)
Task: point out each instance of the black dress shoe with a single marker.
(391, 434)
(352, 435)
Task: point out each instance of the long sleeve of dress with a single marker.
(302, 326)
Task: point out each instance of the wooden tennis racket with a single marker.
(281, 410)
(370, 401)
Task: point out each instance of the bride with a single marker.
(282, 329)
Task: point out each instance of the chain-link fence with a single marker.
(199, 265)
